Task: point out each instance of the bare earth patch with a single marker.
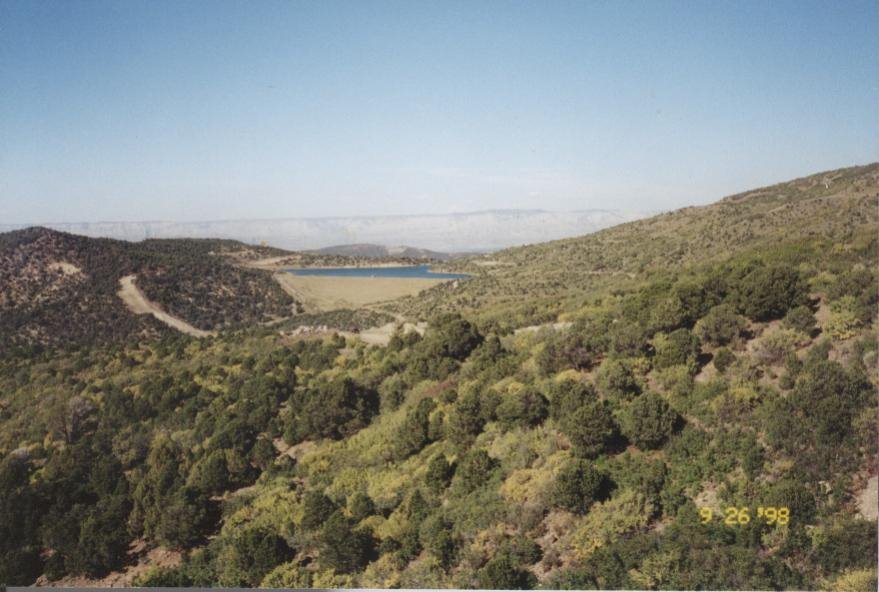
(138, 303)
(868, 499)
(560, 326)
(322, 293)
(382, 335)
(65, 268)
(295, 452)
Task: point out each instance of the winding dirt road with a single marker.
(138, 303)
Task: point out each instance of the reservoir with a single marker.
(406, 271)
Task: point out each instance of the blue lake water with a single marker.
(408, 271)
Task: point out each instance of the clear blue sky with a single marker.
(185, 110)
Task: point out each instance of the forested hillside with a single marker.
(707, 421)
(61, 289)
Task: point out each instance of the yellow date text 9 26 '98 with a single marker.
(740, 516)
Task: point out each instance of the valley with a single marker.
(338, 295)
(186, 412)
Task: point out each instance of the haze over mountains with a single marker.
(373, 251)
(473, 231)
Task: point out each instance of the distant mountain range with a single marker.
(373, 251)
(446, 233)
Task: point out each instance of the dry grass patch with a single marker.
(321, 293)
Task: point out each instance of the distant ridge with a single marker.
(62, 289)
(831, 209)
(443, 233)
(372, 251)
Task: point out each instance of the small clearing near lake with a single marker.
(323, 293)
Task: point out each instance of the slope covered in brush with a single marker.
(605, 454)
(536, 283)
(61, 289)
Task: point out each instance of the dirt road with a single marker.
(138, 303)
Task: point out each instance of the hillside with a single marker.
(537, 283)
(705, 418)
(61, 289)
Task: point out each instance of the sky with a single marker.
(188, 110)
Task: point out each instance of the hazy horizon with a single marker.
(486, 230)
(644, 212)
(355, 216)
(187, 112)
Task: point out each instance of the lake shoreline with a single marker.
(377, 271)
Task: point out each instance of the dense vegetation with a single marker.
(61, 289)
(576, 457)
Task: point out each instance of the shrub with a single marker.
(667, 314)
(768, 292)
(566, 396)
(564, 350)
(856, 579)
(185, 519)
(20, 561)
(800, 318)
(523, 408)
(627, 338)
(648, 421)
(255, 553)
(465, 420)
(361, 506)
(414, 507)
(591, 429)
(828, 397)
(103, 538)
(680, 347)
(851, 544)
(316, 508)
(795, 496)
(332, 409)
(723, 359)
(522, 550)
(263, 453)
(439, 473)
(814, 424)
(401, 339)
(474, 470)
(436, 538)
(844, 321)
(413, 435)
(720, 326)
(577, 486)
(447, 343)
(488, 404)
(436, 426)
(392, 392)
(640, 473)
(616, 380)
(287, 575)
(342, 547)
(503, 573)
(212, 474)
(774, 345)
(450, 336)
(490, 359)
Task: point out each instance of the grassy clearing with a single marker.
(331, 293)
